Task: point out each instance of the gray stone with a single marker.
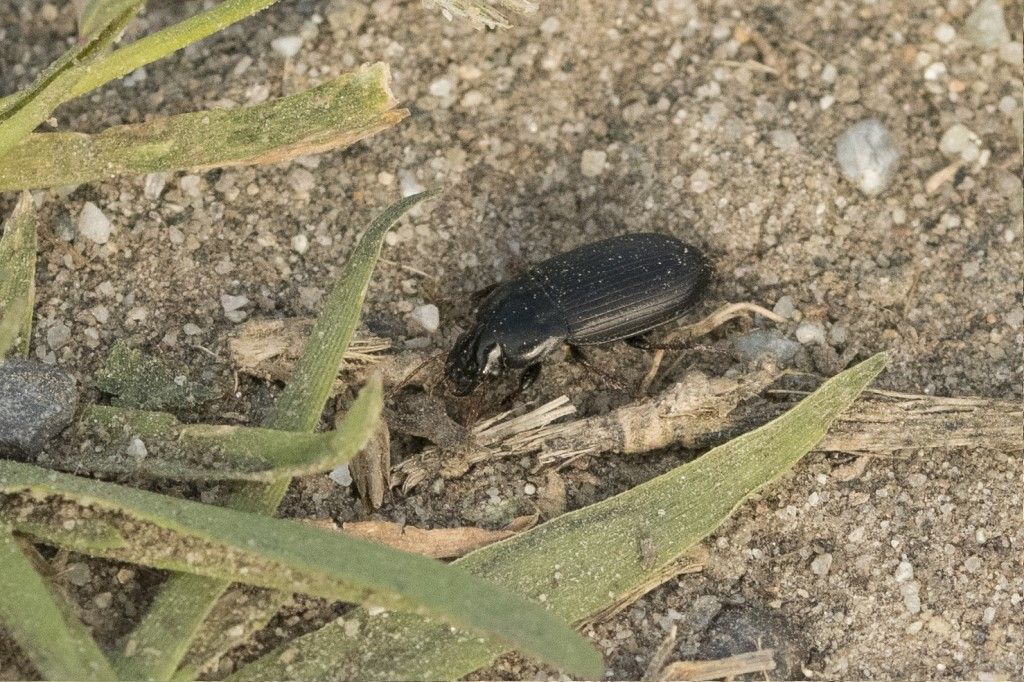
(37, 402)
(758, 342)
(986, 26)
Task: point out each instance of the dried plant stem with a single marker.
(723, 668)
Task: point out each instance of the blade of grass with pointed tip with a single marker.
(596, 552)
(42, 624)
(162, 639)
(172, 533)
(34, 105)
(18, 275)
(336, 114)
(94, 14)
(207, 452)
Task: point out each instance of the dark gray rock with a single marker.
(37, 402)
(741, 629)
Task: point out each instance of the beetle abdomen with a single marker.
(623, 286)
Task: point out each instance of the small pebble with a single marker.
(758, 342)
(972, 564)
(700, 181)
(530, 489)
(191, 186)
(784, 140)
(36, 402)
(911, 596)
(867, 155)
(58, 335)
(78, 574)
(92, 224)
(592, 162)
(341, 475)
(230, 303)
(136, 448)
(904, 572)
(301, 180)
(154, 184)
(300, 243)
(986, 25)
(550, 26)
(409, 184)
(192, 329)
(286, 46)
(1012, 53)
(442, 87)
(810, 333)
(822, 564)
(959, 139)
(837, 335)
(944, 33)
(785, 307)
(427, 316)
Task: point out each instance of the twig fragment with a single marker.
(723, 668)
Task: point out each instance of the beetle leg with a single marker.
(643, 343)
(526, 380)
(577, 355)
(480, 294)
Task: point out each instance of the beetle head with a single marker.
(473, 356)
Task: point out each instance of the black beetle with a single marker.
(609, 290)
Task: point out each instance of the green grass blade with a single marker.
(205, 452)
(18, 276)
(95, 14)
(163, 637)
(333, 115)
(43, 625)
(158, 45)
(171, 533)
(32, 107)
(596, 550)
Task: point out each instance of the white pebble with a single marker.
(960, 140)
(592, 162)
(341, 476)
(934, 71)
(785, 307)
(230, 303)
(530, 489)
(92, 224)
(986, 26)
(904, 572)
(409, 184)
(1007, 104)
(442, 87)
(784, 140)
(810, 333)
(192, 329)
(822, 564)
(867, 155)
(911, 596)
(286, 46)
(1012, 53)
(301, 180)
(427, 316)
(829, 73)
(550, 26)
(191, 186)
(154, 185)
(300, 243)
(944, 33)
(136, 448)
(700, 181)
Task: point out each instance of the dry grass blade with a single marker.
(268, 349)
(42, 623)
(438, 543)
(330, 116)
(484, 13)
(17, 276)
(910, 422)
(579, 562)
(722, 669)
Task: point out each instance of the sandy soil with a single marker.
(698, 145)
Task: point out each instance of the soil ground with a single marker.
(699, 144)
